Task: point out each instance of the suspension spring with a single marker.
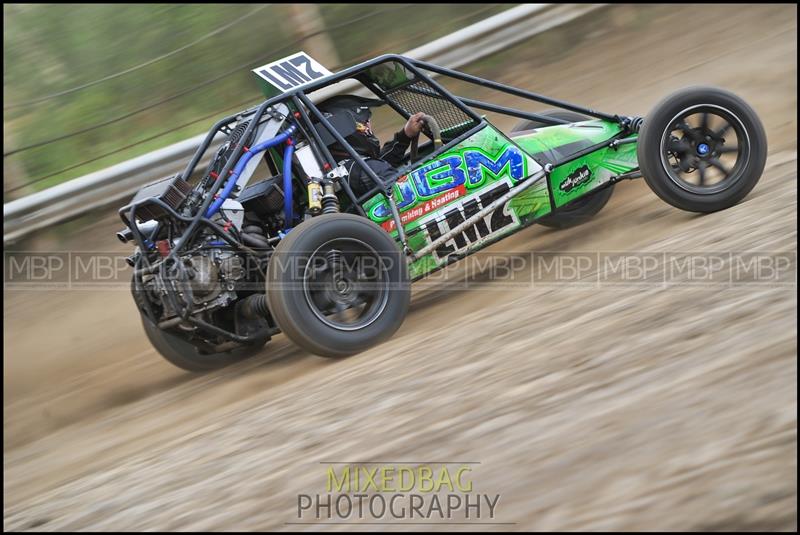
(334, 259)
(330, 202)
(636, 124)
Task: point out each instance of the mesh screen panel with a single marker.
(422, 97)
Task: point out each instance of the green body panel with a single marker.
(587, 172)
(441, 192)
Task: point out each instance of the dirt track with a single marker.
(611, 407)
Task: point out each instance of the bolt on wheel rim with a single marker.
(704, 149)
(345, 284)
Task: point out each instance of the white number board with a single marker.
(291, 72)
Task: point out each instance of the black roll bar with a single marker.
(513, 90)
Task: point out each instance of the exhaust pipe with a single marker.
(145, 228)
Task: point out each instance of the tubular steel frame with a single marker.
(302, 120)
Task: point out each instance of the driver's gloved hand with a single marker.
(414, 125)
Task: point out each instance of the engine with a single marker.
(213, 277)
(203, 241)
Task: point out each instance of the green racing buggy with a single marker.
(269, 236)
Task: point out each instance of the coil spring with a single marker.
(238, 132)
(330, 204)
(636, 124)
(334, 261)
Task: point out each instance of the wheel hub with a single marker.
(700, 145)
(337, 288)
(342, 286)
(701, 149)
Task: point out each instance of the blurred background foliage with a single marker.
(188, 65)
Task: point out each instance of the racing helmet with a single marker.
(349, 115)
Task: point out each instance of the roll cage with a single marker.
(457, 118)
(296, 114)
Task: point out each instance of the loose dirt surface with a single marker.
(638, 405)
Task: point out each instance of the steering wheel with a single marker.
(436, 134)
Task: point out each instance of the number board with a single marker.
(289, 73)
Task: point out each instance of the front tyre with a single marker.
(338, 284)
(702, 149)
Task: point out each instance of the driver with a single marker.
(350, 115)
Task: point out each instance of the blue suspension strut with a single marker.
(287, 185)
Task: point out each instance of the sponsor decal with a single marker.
(486, 228)
(466, 170)
(426, 207)
(580, 176)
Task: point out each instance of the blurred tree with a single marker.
(51, 48)
(309, 28)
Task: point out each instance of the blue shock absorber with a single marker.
(287, 186)
(240, 165)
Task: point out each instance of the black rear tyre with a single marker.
(337, 285)
(183, 353)
(702, 149)
(581, 210)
